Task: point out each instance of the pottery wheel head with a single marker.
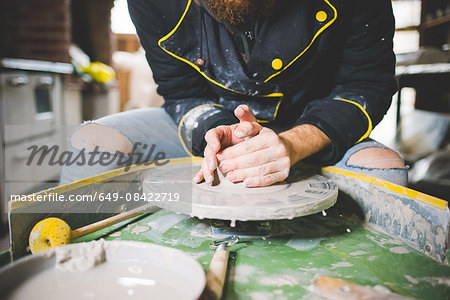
(299, 195)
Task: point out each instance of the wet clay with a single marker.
(223, 185)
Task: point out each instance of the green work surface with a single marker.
(283, 265)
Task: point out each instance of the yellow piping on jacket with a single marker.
(196, 67)
(310, 44)
(231, 90)
(369, 120)
(273, 95)
(181, 122)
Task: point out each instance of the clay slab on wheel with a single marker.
(299, 195)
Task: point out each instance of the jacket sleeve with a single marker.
(189, 99)
(365, 81)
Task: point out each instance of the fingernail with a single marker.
(223, 167)
(219, 156)
(231, 177)
(196, 179)
(239, 111)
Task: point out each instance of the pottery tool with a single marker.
(299, 195)
(53, 232)
(217, 271)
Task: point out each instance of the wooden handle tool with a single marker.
(217, 271)
(85, 230)
(53, 232)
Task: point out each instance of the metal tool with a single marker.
(215, 277)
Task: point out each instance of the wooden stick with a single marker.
(82, 231)
(217, 272)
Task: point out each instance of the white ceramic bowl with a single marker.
(131, 270)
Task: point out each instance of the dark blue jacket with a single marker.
(323, 62)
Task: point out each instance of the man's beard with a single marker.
(236, 12)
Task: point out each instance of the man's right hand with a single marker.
(224, 136)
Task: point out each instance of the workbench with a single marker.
(347, 241)
(283, 267)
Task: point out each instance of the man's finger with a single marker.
(254, 159)
(266, 180)
(247, 129)
(213, 137)
(210, 158)
(259, 171)
(206, 173)
(253, 144)
(244, 113)
(198, 177)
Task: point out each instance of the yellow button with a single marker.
(277, 64)
(321, 16)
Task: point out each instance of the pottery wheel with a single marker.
(299, 195)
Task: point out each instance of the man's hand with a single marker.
(256, 155)
(266, 158)
(259, 161)
(224, 136)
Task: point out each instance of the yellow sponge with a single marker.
(49, 233)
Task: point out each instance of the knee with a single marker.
(94, 135)
(376, 158)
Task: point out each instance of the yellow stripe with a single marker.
(181, 122)
(274, 115)
(310, 44)
(369, 120)
(436, 202)
(272, 95)
(276, 109)
(196, 67)
(99, 178)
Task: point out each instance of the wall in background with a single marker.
(36, 29)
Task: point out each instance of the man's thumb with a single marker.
(244, 114)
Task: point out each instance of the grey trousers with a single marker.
(151, 131)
